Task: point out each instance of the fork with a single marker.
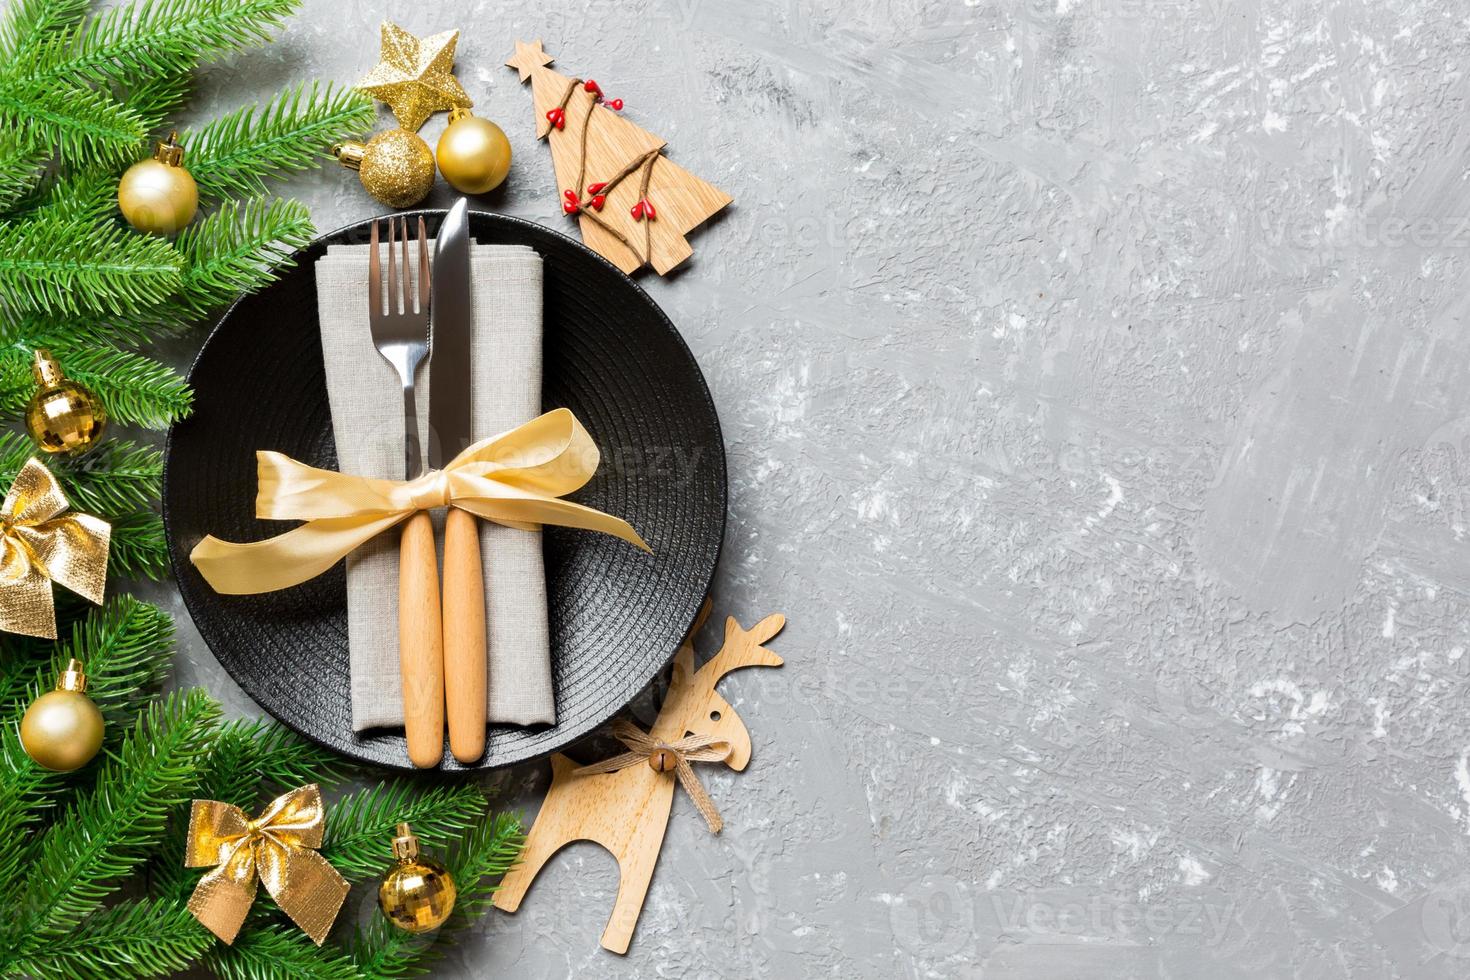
(402, 337)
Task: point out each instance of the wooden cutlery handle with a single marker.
(464, 635)
(420, 642)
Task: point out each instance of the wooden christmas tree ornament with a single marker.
(634, 205)
(627, 810)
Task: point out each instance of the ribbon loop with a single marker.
(691, 748)
(43, 543)
(277, 849)
(516, 479)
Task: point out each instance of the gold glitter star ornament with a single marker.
(414, 76)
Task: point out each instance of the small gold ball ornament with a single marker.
(473, 153)
(396, 166)
(159, 196)
(63, 416)
(417, 894)
(62, 729)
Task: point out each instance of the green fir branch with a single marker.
(237, 250)
(279, 952)
(104, 834)
(132, 940)
(71, 267)
(79, 124)
(28, 24)
(149, 38)
(139, 548)
(22, 165)
(360, 825)
(235, 154)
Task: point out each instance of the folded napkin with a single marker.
(367, 417)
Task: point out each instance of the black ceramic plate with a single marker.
(617, 615)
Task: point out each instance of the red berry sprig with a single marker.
(591, 86)
(643, 209)
(557, 118)
(569, 202)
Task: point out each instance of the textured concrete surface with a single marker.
(1094, 380)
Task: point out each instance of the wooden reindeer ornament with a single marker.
(627, 810)
(634, 204)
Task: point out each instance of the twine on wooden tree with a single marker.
(644, 163)
(644, 748)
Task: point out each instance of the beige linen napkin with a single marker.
(367, 416)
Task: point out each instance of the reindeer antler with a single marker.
(743, 649)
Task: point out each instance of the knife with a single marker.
(450, 399)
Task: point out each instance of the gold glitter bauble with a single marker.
(395, 166)
(159, 196)
(417, 894)
(62, 729)
(473, 154)
(414, 76)
(63, 416)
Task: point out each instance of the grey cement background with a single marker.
(1094, 376)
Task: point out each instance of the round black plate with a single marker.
(617, 615)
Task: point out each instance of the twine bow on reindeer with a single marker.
(663, 756)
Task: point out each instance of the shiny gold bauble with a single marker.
(417, 894)
(63, 416)
(395, 166)
(473, 154)
(62, 729)
(159, 196)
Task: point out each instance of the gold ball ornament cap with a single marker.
(159, 196)
(62, 729)
(395, 166)
(63, 416)
(417, 893)
(473, 153)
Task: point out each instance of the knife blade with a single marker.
(450, 401)
(449, 366)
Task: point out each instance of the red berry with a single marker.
(557, 118)
(593, 87)
(569, 202)
(598, 201)
(615, 104)
(648, 209)
(637, 211)
(596, 188)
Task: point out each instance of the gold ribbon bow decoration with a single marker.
(515, 479)
(692, 748)
(43, 543)
(277, 849)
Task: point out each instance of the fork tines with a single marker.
(408, 300)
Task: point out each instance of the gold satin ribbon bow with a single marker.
(278, 848)
(514, 479)
(45, 544)
(691, 748)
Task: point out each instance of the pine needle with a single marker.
(238, 249)
(279, 952)
(139, 548)
(73, 267)
(80, 123)
(235, 154)
(132, 940)
(153, 37)
(134, 388)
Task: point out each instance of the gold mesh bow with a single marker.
(45, 544)
(278, 848)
